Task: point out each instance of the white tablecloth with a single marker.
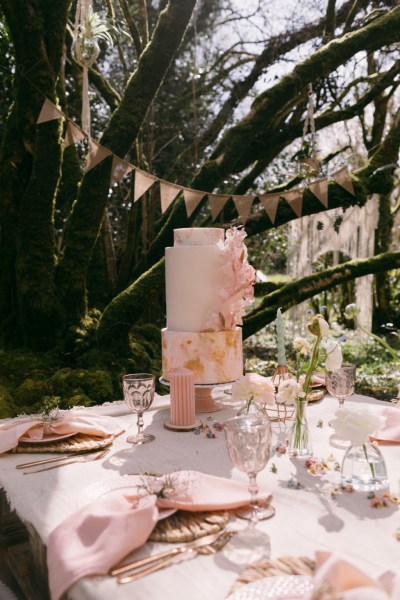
(307, 519)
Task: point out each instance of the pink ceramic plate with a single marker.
(52, 437)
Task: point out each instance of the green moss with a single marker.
(31, 393)
(149, 337)
(79, 400)
(95, 384)
(7, 405)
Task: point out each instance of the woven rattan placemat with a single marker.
(286, 565)
(77, 443)
(185, 526)
(316, 395)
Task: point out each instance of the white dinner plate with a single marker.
(51, 437)
(283, 587)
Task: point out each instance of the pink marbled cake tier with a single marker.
(213, 356)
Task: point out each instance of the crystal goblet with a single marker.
(138, 394)
(248, 439)
(341, 383)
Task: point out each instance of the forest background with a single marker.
(210, 95)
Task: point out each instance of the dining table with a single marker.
(312, 512)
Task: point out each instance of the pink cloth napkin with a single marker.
(71, 421)
(390, 433)
(96, 537)
(349, 583)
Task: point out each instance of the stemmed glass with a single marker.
(248, 439)
(138, 394)
(341, 383)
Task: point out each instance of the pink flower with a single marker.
(235, 277)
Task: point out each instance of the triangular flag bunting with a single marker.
(143, 181)
(96, 155)
(192, 200)
(243, 205)
(73, 134)
(320, 189)
(49, 112)
(217, 203)
(295, 200)
(343, 178)
(168, 193)
(312, 164)
(119, 169)
(270, 203)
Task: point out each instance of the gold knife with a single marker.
(203, 541)
(45, 461)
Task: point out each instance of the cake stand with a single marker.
(204, 402)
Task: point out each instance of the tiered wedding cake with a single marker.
(208, 285)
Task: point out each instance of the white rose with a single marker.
(254, 387)
(334, 358)
(356, 424)
(302, 345)
(289, 390)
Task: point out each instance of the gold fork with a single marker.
(80, 459)
(212, 548)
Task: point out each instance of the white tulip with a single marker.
(334, 358)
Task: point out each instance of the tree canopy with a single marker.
(209, 95)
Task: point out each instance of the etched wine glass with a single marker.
(138, 394)
(341, 383)
(248, 439)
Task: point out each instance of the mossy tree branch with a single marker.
(302, 289)
(126, 309)
(257, 135)
(277, 46)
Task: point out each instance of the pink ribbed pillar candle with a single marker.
(182, 398)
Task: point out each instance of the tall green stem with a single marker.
(380, 341)
(371, 464)
(313, 362)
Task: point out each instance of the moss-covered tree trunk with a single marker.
(119, 135)
(383, 236)
(30, 165)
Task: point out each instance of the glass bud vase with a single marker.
(250, 408)
(299, 439)
(364, 468)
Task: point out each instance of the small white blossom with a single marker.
(252, 386)
(288, 392)
(356, 424)
(302, 345)
(351, 311)
(334, 358)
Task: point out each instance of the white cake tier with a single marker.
(213, 356)
(198, 236)
(190, 284)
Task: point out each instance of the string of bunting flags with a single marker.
(169, 191)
